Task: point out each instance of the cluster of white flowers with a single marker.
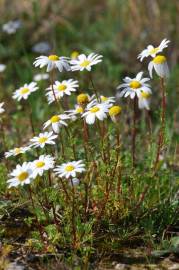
(139, 86)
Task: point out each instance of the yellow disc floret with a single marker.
(24, 90)
(94, 109)
(154, 50)
(115, 110)
(69, 168)
(17, 151)
(61, 87)
(134, 84)
(42, 139)
(40, 164)
(23, 176)
(85, 63)
(145, 95)
(103, 98)
(79, 110)
(159, 59)
(74, 54)
(53, 57)
(82, 99)
(54, 119)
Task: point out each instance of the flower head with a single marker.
(42, 139)
(95, 111)
(41, 76)
(144, 100)
(11, 26)
(85, 62)
(52, 61)
(16, 151)
(153, 51)
(70, 169)
(78, 110)
(159, 63)
(2, 67)
(133, 87)
(65, 87)
(57, 121)
(1, 107)
(74, 55)
(83, 99)
(114, 112)
(21, 175)
(24, 91)
(43, 163)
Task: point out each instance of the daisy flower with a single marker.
(56, 122)
(114, 113)
(41, 77)
(144, 100)
(70, 169)
(1, 107)
(159, 63)
(42, 139)
(21, 175)
(24, 91)
(43, 163)
(95, 110)
(11, 26)
(74, 55)
(85, 62)
(133, 87)
(79, 110)
(52, 61)
(2, 67)
(16, 151)
(61, 88)
(105, 99)
(152, 51)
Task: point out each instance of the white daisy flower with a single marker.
(133, 87)
(115, 112)
(108, 100)
(61, 88)
(152, 51)
(24, 91)
(85, 62)
(2, 67)
(16, 151)
(41, 77)
(11, 26)
(56, 122)
(1, 107)
(43, 163)
(144, 100)
(42, 139)
(52, 62)
(159, 63)
(21, 175)
(95, 110)
(70, 169)
(74, 55)
(73, 114)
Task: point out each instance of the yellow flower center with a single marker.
(22, 176)
(53, 57)
(154, 50)
(25, 90)
(55, 119)
(61, 87)
(135, 84)
(17, 151)
(40, 164)
(114, 110)
(42, 139)
(159, 59)
(85, 63)
(79, 110)
(74, 54)
(82, 99)
(145, 95)
(69, 168)
(94, 109)
(103, 98)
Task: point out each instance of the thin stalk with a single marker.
(95, 91)
(162, 128)
(73, 215)
(134, 133)
(53, 91)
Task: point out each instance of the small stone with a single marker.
(120, 266)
